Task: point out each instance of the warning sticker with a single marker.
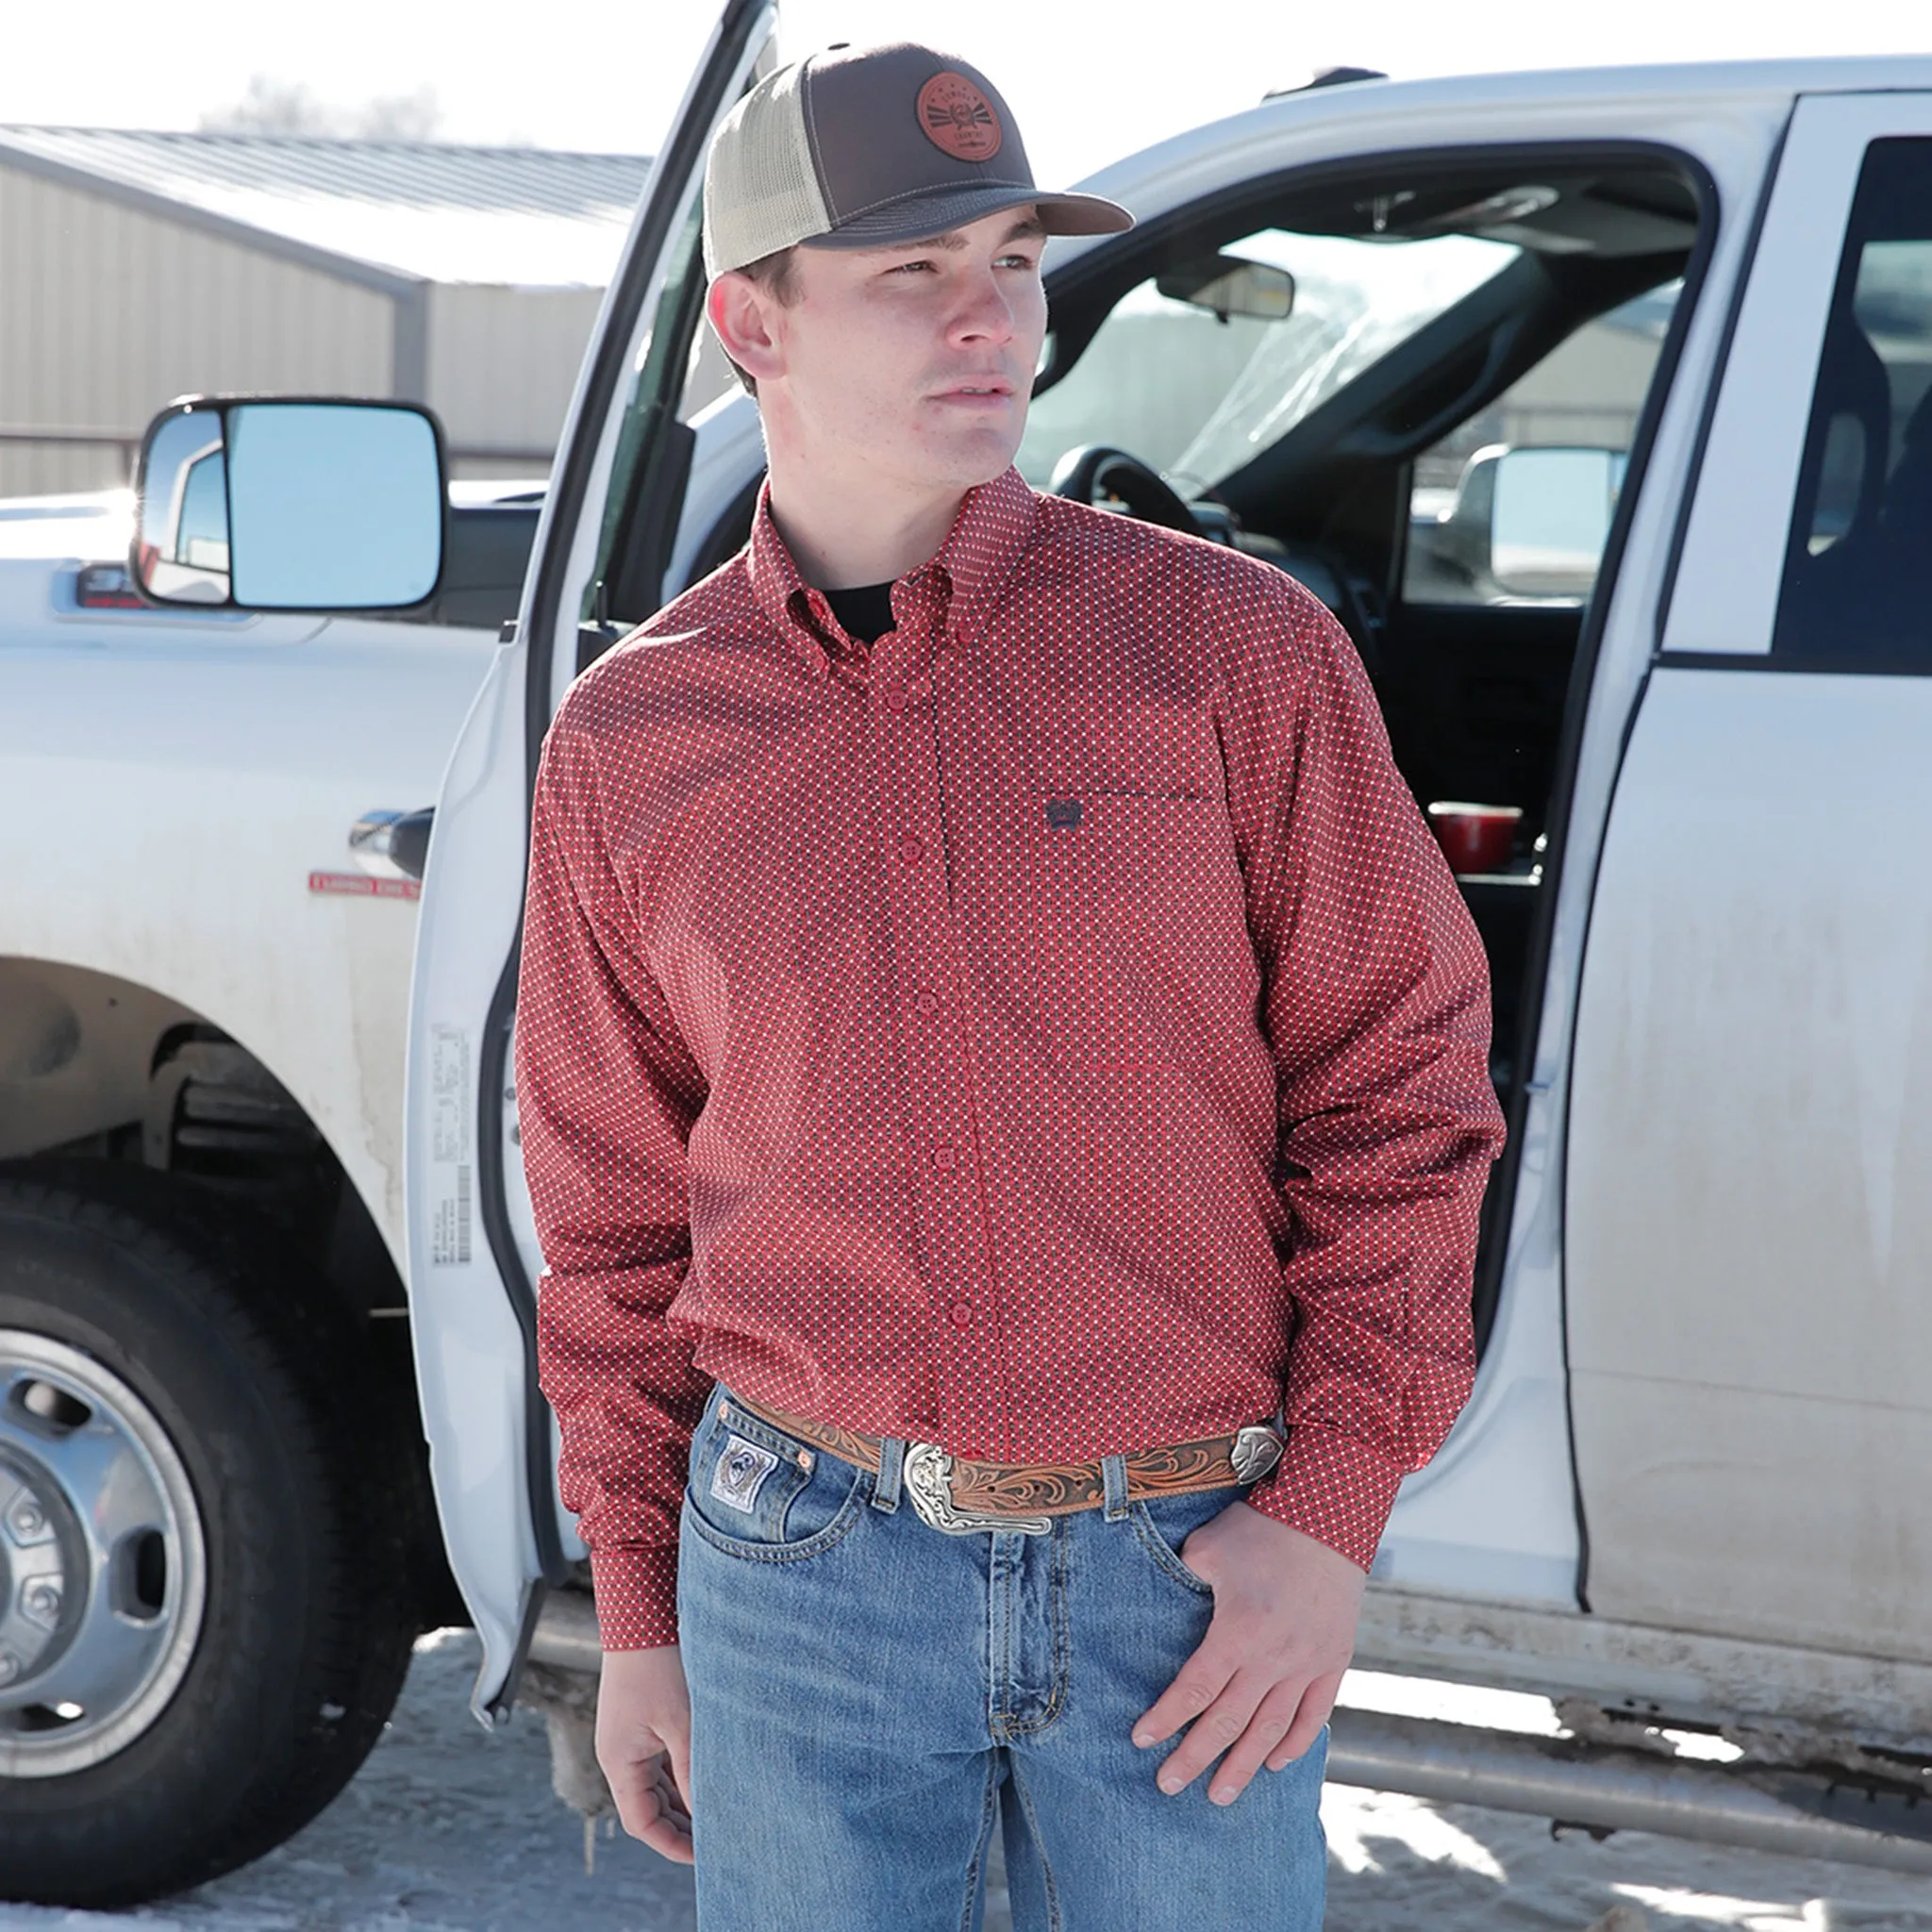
(451, 1205)
(449, 1230)
(361, 885)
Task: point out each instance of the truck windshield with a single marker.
(1198, 396)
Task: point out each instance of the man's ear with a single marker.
(740, 311)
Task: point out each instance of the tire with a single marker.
(212, 1668)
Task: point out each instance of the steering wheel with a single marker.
(1095, 470)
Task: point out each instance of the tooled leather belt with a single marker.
(958, 1494)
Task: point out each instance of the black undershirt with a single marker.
(865, 613)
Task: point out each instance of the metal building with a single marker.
(136, 267)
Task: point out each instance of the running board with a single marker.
(1568, 1778)
(566, 1635)
(1582, 1783)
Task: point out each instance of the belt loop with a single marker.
(884, 1493)
(1113, 1485)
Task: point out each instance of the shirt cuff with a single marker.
(1335, 1489)
(637, 1597)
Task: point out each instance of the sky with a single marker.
(1087, 81)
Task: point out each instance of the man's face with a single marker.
(915, 362)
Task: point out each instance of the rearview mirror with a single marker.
(1550, 519)
(1225, 285)
(289, 505)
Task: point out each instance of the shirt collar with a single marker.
(965, 575)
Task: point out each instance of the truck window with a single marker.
(1857, 590)
(201, 537)
(1584, 396)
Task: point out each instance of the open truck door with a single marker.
(474, 1256)
(1748, 1230)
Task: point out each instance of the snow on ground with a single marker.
(448, 1829)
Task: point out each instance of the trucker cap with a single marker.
(861, 147)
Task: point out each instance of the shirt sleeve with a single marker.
(1376, 1005)
(607, 1093)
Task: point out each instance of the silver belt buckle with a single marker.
(927, 1475)
(1257, 1450)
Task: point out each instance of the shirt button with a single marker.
(927, 1003)
(912, 846)
(943, 1154)
(960, 1314)
(895, 698)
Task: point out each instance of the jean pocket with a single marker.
(757, 1492)
(1163, 1523)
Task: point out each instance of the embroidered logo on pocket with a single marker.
(741, 1472)
(1062, 814)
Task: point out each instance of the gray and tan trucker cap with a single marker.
(862, 147)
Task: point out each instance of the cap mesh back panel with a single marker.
(761, 192)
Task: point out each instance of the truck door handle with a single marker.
(393, 844)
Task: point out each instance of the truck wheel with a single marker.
(204, 1603)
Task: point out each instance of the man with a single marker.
(996, 1041)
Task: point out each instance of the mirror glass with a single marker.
(291, 506)
(1225, 285)
(333, 506)
(1551, 518)
(181, 546)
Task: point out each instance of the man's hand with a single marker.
(1263, 1681)
(643, 1719)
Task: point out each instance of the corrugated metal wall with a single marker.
(107, 310)
(503, 363)
(1588, 389)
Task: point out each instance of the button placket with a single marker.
(905, 749)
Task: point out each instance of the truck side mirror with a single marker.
(289, 505)
(1550, 519)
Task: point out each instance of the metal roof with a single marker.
(426, 210)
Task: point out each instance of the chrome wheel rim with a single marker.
(103, 1562)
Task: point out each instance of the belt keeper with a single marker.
(885, 1495)
(1113, 1485)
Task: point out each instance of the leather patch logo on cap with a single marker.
(957, 117)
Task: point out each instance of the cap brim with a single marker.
(942, 210)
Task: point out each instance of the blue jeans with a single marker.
(868, 1694)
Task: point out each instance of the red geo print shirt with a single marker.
(1047, 1032)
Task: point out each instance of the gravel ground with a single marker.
(448, 1829)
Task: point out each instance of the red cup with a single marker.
(1476, 838)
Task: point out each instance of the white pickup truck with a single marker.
(1598, 407)
(216, 1539)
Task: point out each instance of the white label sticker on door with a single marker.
(451, 1206)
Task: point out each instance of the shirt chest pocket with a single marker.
(1131, 913)
(1129, 851)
